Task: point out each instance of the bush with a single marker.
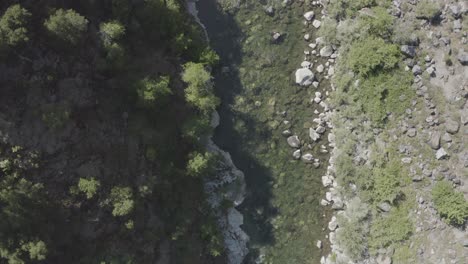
(88, 186)
(340, 9)
(451, 205)
(13, 26)
(328, 30)
(200, 164)
(196, 127)
(209, 57)
(428, 9)
(67, 25)
(371, 55)
(386, 183)
(351, 236)
(200, 89)
(37, 250)
(152, 91)
(379, 24)
(356, 210)
(384, 92)
(389, 229)
(121, 199)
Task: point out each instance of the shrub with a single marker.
(428, 9)
(351, 236)
(199, 91)
(379, 24)
(67, 25)
(152, 91)
(196, 127)
(209, 57)
(357, 210)
(13, 26)
(121, 199)
(340, 9)
(200, 164)
(328, 30)
(451, 205)
(384, 92)
(387, 182)
(389, 229)
(371, 54)
(88, 186)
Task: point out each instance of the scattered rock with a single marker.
(313, 134)
(333, 224)
(326, 51)
(383, 260)
(309, 15)
(294, 142)
(269, 10)
(451, 126)
(417, 178)
(463, 57)
(385, 206)
(327, 181)
(297, 154)
(307, 36)
(319, 244)
(320, 129)
(455, 10)
(409, 51)
(316, 23)
(457, 25)
(286, 133)
(308, 158)
(441, 154)
(306, 64)
(416, 70)
(304, 77)
(276, 37)
(406, 160)
(411, 132)
(434, 141)
(320, 68)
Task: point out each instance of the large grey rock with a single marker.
(455, 10)
(383, 260)
(326, 51)
(409, 51)
(304, 77)
(452, 126)
(441, 154)
(463, 57)
(333, 224)
(313, 134)
(416, 70)
(457, 25)
(385, 207)
(294, 142)
(308, 158)
(434, 140)
(297, 154)
(309, 15)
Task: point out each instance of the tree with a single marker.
(37, 250)
(450, 204)
(151, 91)
(67, 25)
(200, 89)
(200, 164)
(88, 186)
(111, 32)
(121, 199)
(13, 26)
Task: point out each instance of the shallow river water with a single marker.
(282, 215)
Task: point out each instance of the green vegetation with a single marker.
(89, 187)
(371, 55)
(13, 24)
(153, 91)
(450, 204)
(109, 133)
(389, 229)
(67, 25)
(199, 91)
(200, 164)
(428, 9)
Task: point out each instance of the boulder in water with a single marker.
(304, 77)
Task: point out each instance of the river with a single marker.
(282, 214)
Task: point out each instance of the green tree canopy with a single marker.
(199, 91)
(13, 26)
(67, 25)
(111, 32)
(152, 91)
(200, 164)
(88, 186)
(122, 201)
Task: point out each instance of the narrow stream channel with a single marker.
(282, 214)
